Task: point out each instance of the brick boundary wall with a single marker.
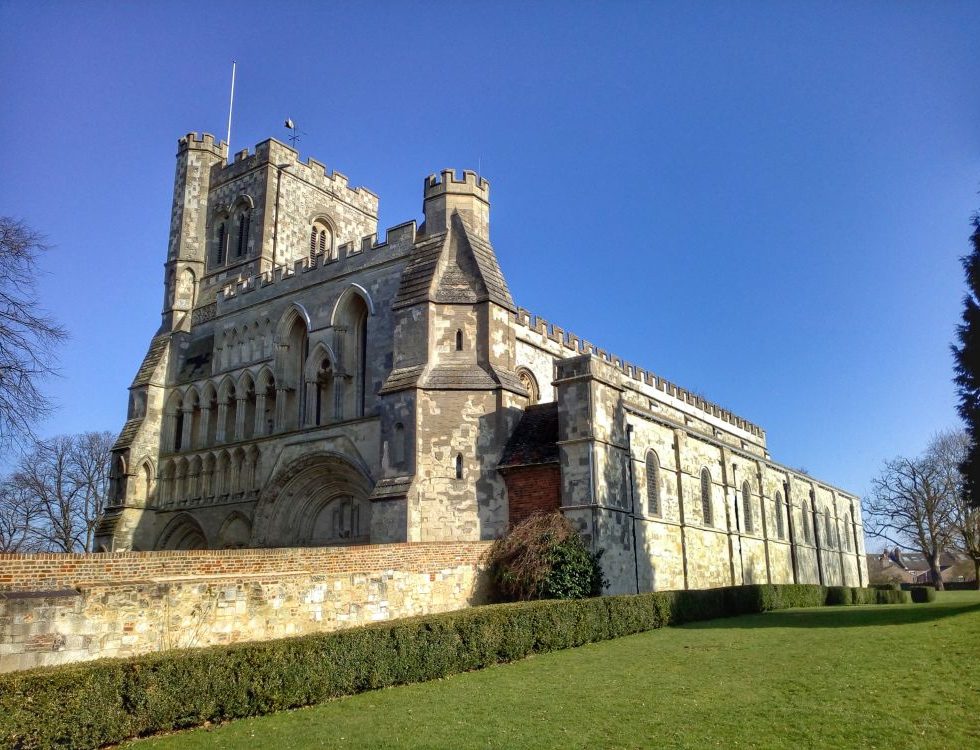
(50, 571)
(62, 608)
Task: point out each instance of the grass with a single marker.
(864, 677)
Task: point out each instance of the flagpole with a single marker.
(231, 104)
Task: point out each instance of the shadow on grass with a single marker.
(840, 617)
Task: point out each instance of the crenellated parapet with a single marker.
(576, 345)
(202, 142)
(447, 182)
(278, 155)
(399, 240)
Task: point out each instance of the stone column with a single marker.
(240, 418)
(219, 433)
(280, 419)
(187, 434)
(202, 433)
(259, 429)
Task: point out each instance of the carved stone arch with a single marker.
(191, 398)
(243, 200)
(265, 377)
(144, 490)
(226, 388)
(323, 234)
(319, 499)
(294, 311)
(183, 532)
(530, 384)
(343, 300)
(235, 531)
(319, 352)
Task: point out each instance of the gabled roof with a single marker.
(157, 347)
(453, 268)
(535, 439)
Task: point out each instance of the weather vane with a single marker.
(296, 133)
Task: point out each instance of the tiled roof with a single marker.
(535, 439)
(157, 347)
(454, 268)
(127, 433)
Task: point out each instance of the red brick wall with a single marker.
(532, 489)
(57, 571)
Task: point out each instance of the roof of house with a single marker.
(535, 439)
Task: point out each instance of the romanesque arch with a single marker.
(317, 500)
(182, 532)
(235, 532)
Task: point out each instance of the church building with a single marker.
(311, 384)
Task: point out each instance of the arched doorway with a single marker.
(183, 532)
(318, 500)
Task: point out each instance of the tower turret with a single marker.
(445, 194)
(188, 224)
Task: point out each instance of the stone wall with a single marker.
(56, 609)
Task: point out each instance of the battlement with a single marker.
(273, 152)
(202, 142)
(579, 346)
(400, 238)
(446, 182)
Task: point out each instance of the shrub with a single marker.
(891, 596)
(840, 595)
(887, 586)
(543, 557)
(923, 594)
(96, 703)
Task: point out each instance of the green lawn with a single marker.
(897, 676)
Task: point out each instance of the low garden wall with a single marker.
(56, 609)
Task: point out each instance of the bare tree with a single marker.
(913, 502)
(91, 459)
(19, 516)
(28, 336)
(66, 479)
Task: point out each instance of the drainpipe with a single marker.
(738, 521)
(629, 466)
(275, 224)
(792, 532)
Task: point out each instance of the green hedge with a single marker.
(94, 703)
(923, 594)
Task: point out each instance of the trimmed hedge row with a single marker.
(95, 703)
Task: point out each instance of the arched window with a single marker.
(243, 222)
(653, 484)
(219, 253)
(829, 529)
(530, 384)
(747, 507)
(780, 527)
(807, 534)
(321, 239)
(459, 465)
(848, 531)
(706, 497)
(459, 339)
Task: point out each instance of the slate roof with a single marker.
(127, 433)
(157, 347)
(535, 439)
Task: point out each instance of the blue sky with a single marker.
(763, 202)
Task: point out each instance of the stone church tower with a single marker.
(312, 385)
